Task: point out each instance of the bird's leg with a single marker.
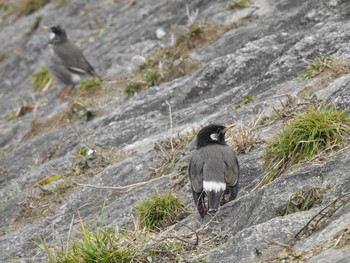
(63, 93)
(71, 90)
(204, 206)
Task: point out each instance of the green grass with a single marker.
(237, 4)
(246, 99)
(302, 200)
(40, 79)
(48, 180)
(315, 67)
(89, 85)
(133, 87)
(36, 23)
(158, 210)
(86, 157)
(303, 138)
(112, 245)
(95, 245)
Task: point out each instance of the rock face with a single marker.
(258, 59)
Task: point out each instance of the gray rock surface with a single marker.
(257, 59)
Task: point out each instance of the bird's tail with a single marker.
(213, 201)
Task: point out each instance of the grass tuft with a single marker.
(40, 79)
(302, 200)
(246, 99)
(236, 4)
(315, 67)
(89, 85)
(113, 245)
(303, 138)
(132, 88)
(158, 210)
(86, 157)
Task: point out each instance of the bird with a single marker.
(213, 170)
(64, 60)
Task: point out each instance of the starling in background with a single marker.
(64, 60)
(213, 170)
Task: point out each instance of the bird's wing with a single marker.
(195, 171)
(232, 166)
(73, 59)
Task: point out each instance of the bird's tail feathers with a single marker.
(213, 201)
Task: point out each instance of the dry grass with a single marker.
(326, 70)
(243, 137)
(24, 107)
(47, 194)
(174, 61)
(78, 109)
(170, 152)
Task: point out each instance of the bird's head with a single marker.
(212, 134)
(57, 34)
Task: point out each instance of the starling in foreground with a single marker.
(213, 170)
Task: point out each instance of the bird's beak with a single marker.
(45, 27)
(229, 126)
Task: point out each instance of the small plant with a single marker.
(40, 79)
(158, 210)
(133, 87)
(36, 23)
(235, 4)
(246, 99)
(302, 200)
(152, 76)
(306, 136)
(89, 85)
(315, 67)
(84, 157)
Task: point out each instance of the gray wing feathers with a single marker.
(74, 59)
(195, 172)
(232, 167)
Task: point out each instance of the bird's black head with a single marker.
(212, 134)
(57, 35)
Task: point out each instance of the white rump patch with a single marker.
(214, 186)
(52, 36)
(75, 78)
(214, 136)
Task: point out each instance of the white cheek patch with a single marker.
(214, 136)
(213, 186)
(52, 36)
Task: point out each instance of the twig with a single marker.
(126, 187)
(70, 229)
(273, 242)
(194, 231)
(322, 215)
(171, 126)
(339, 238)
